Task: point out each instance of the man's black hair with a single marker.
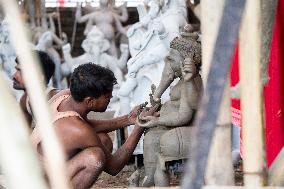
(91, 80)
(46, 63)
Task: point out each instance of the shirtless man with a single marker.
(85, 142)
(48, 68)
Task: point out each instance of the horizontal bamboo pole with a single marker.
(34, 84)
(18, 161)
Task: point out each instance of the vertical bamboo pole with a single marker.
(43, 15)
(31, 10)
(219, 166)
(17, 159)
(34, 84)
(268, 10)
(251, 94)
(211, 13)
(219, 169)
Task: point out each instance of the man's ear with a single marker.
(89, 101)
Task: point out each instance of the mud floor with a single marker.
(120, 181)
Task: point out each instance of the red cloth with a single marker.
(236, 104)
(273, 92)
(236, 116)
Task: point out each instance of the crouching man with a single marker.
(85, 142)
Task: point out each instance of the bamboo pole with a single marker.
(34, 85)
(43, 15)
(219, 169)
(31, 11)
(251, 95)
(211, 13)
(17, 158)
(268, 10)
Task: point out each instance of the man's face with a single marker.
(102, 102)
(18, 82)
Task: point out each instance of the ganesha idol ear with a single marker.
(105, 45)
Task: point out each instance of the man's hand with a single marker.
(149, 118)
(133, 115)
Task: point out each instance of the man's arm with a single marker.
(115, 123)
(114, 162)
(109, 125)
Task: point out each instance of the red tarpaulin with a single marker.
(273, 92)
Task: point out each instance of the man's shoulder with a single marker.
(74, 124)
(58, 93)
(52, 93)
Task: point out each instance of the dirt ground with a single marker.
(120, 181)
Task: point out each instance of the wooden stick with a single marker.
(43, 15)
(59, 22)
(31, 10)
(34, 84)
(18, 160)
(251, 95)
